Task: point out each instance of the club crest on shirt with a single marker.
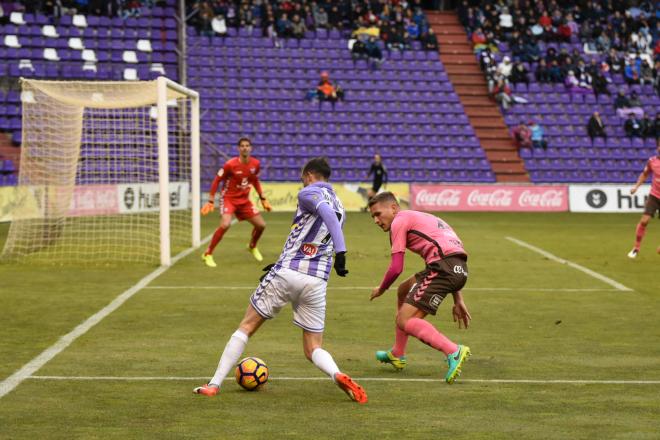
(309, 249)
(253, 170)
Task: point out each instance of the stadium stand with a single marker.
(252, 88)
(571, 155)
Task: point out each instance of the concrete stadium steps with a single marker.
(469, 83)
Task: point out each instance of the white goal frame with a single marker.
(163, 84)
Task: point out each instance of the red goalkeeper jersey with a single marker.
(237, 177)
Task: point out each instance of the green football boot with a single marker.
(387, 357)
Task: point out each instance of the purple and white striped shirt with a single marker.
(309, 247)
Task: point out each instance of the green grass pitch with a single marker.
(533, 319)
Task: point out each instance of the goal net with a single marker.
(109, 172)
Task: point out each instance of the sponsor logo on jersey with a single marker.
(221, 172)
(309, 249)
(459, 269)
(435, 301)
(239, 172)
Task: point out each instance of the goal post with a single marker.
(109, 172)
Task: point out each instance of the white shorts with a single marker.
(305, 293)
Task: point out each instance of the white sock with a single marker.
(323, 360)
(230, 355)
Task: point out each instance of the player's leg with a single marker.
(233, 351)
(259, 224)
(323, 360)
(640, 231)
(309, 315)
(397, 355)
(225, 224)
(434, 283)
(266, 301)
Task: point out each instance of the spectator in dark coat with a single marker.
(596, 127)
(430, 41)
(633, 126)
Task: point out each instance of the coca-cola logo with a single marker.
(498, 197)
(445, 197)
(547, 199)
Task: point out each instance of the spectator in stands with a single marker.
(479, 40)
(298, 27)
(522, 135)
(519, 73)
(575, 86)
(538, 140)
(624, 107)
(542, 72)
(596, 127)
(633, 126)
(320, 16)
(648, 129)
(359, 49)
(655, 131)
(615, 61)
(532, 51)
(504, 69)
(284, 26)
(631, 71)
(429, 41)
(646, 73)
(374, 53)
(326, 91)
(502, 94)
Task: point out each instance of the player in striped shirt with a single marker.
(299, 277)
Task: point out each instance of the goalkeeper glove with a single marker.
(266, 204)
(266, 271)
(208, 207)
(340, 264)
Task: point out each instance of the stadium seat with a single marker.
(50, 54)
(48, 30)
(76, 43)
(129, 56)
(12, 41)
(79, 20)
(88, 55)
(17, 18)
(130, 74)
(144, 46)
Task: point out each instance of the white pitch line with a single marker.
(7, 385)
(484, 289)
(364, 379)
(560, 260)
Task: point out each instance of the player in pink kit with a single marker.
(652, 203)
(446, 272)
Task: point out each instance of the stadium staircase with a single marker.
(470, 85)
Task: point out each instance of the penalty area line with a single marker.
(26, 371)
(364, 379)
(591, 273)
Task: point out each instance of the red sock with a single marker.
(256, 233)
(425, 332)
(639, 234)
(217, 236)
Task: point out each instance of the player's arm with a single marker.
(385, 175)
(460, 311)
(257, 187)
(331, 221)
(641, 179)
(220, 177)
(393, 272)
(371, 170)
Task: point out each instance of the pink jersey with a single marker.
(653, 165)
(424, 234)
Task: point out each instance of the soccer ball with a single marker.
(251, 373)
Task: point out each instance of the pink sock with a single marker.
(425, 332)
(400, 342)
(639, 234)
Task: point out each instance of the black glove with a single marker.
(340, 264)
(266, 270)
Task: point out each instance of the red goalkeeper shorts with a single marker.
(243, 209)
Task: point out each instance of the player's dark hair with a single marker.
(318, 166)
(244, 139)
(384, 197)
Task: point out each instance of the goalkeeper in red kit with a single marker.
(236, 176)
